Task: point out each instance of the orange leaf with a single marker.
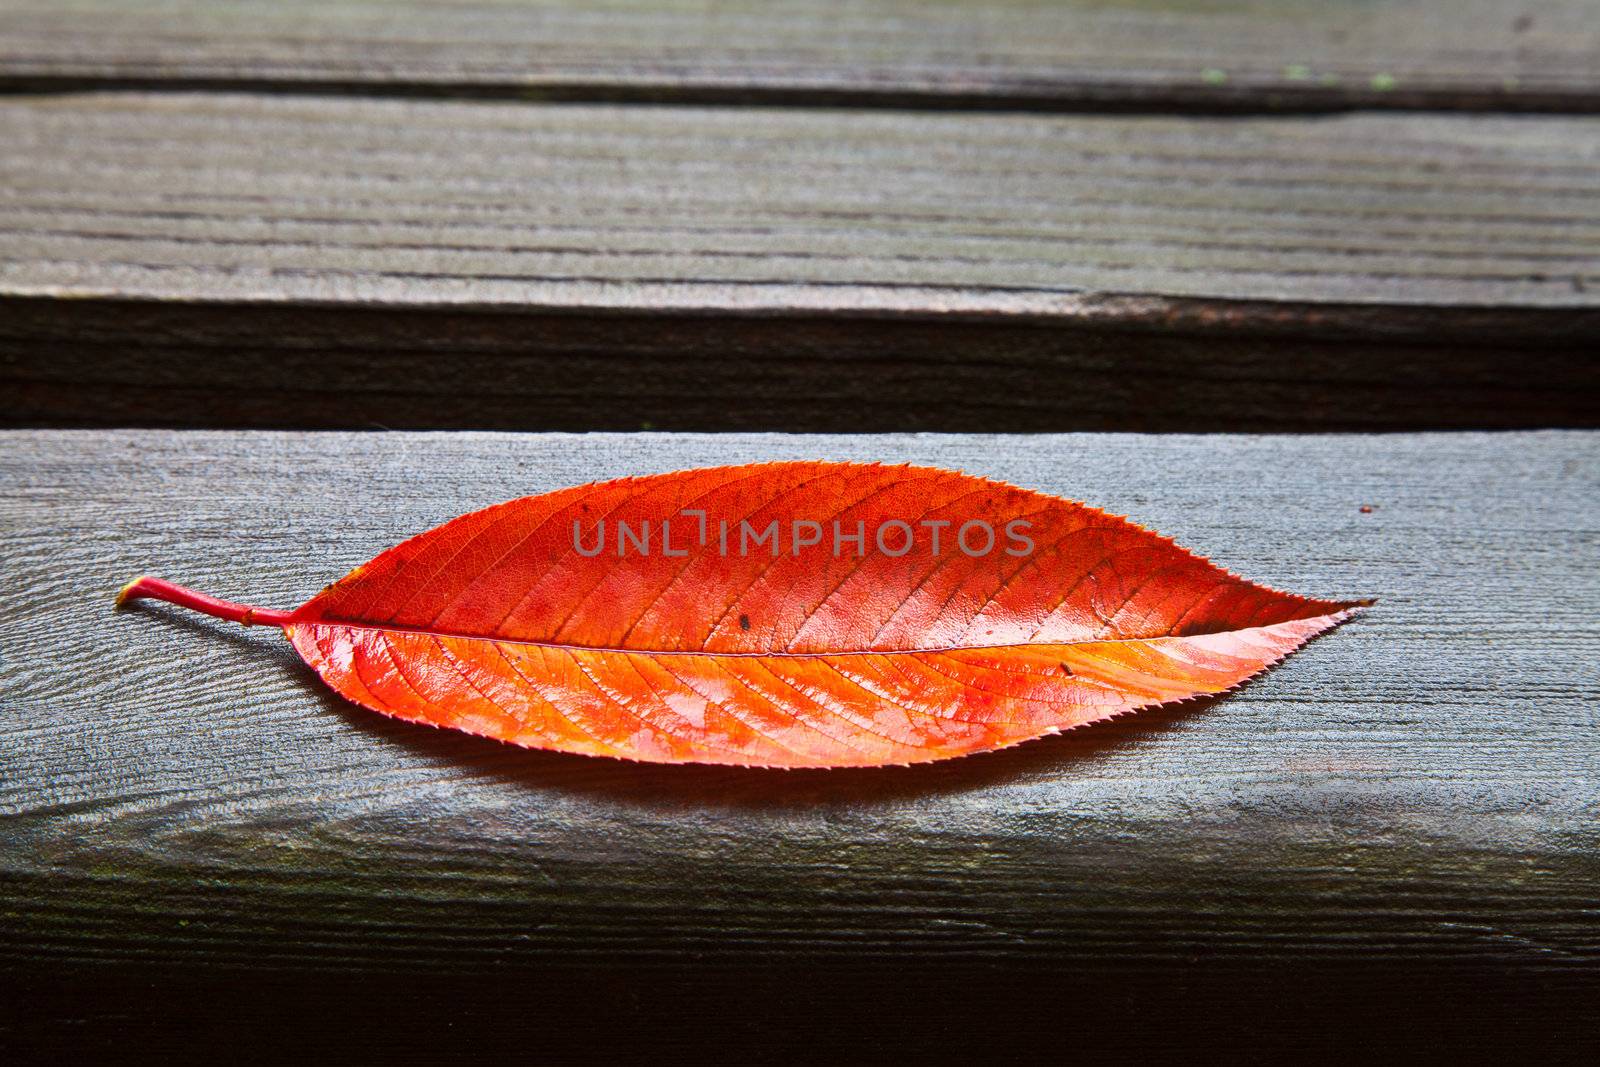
(784, 615)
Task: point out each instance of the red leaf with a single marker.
(784, 615)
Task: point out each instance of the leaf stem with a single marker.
(148, 588)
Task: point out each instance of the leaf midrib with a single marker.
(567, 646)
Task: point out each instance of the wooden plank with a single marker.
(1417, 789)
(1015, 53)
(1396, 826)
(195, 260)
(198, 198)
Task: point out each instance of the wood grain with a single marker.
(223, 260)
(1418, 788)
(200, 847)
(200, 198)
(1014, 53)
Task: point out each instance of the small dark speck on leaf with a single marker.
(744, 622)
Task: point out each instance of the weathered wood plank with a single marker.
(1395, 830)
(1417, 789)
(236, 260)
(1015, 53)
(204, 197)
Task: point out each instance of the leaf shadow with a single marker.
(652, 785)
(258, 640)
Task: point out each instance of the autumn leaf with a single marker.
(784, 615)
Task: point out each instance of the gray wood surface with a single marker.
(1392, 838)
(1014, 53)
(292, 262)
(1417, 788)
(221, 197)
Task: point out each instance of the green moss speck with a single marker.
(1213, 76)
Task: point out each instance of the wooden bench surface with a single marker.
(1011, 53)
(875, 215)
(261, 198)
(1417, 786)
(226, 260)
